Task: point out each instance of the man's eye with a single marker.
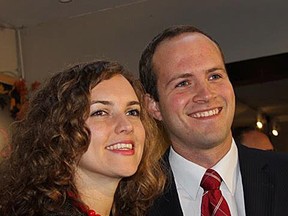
(215, 77)
(99, 113)
(134, 112)
(183, 83)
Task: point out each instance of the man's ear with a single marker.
(152, 107)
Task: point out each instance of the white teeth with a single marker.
(206, 113)
(120, 146)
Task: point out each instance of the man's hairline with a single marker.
(173, 37)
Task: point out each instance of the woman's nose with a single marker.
(123, 124)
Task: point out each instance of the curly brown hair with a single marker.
(49, 142)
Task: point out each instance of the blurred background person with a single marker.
(252, 138)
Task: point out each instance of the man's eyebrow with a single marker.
(185, 75)
(215, 69)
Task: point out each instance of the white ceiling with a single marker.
(27, 13)
(259, 13)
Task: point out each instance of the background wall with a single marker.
(8, 65)
(8, 50)
(244, 30)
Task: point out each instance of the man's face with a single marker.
(196, 98)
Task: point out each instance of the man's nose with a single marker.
(203, 92)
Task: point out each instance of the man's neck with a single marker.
(206, 158)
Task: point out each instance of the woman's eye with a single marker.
(183, 83)
(99, 113)
(134, 112)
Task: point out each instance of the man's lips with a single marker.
(206, 113)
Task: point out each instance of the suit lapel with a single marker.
(258, 182)
(168, 204)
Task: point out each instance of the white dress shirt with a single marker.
(188, 176)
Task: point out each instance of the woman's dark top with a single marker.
(67, 210)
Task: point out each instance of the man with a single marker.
(189, 91)
(252, 138)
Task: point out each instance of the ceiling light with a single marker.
(259, 124)
(275, 128)
(260, 120)
(275, 132)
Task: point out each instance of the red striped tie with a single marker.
(213, 203)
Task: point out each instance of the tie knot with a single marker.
(211, 180)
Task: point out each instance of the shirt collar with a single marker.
(188, 174)
(228, 168)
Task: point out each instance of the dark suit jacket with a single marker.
(265, 185)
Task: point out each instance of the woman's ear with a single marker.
(152, 107)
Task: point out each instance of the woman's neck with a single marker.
(97, 191)
(97, 201)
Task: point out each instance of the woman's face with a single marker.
(117, 133)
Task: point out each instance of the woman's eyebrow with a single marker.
(130, 103)
(101, 102)
(133, 103)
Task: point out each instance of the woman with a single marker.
(86, 147)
